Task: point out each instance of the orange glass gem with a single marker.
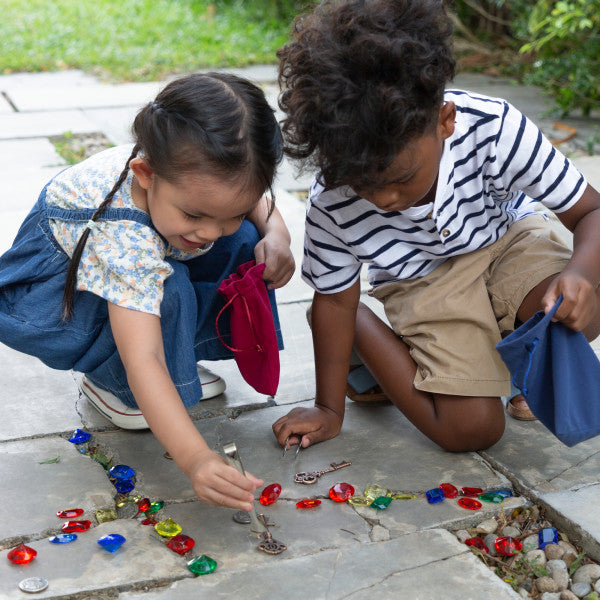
(76, 526)
(270, 494)
(340, 492)
(69, 513)
(308, 503)
(21, 555)
(449, 490)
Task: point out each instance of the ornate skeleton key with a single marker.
(312, 476)
(268, 544)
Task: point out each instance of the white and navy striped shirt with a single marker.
(494, 167)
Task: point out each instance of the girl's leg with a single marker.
(456, 423)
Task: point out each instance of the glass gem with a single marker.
(155, 507)
(111, 542)
(360, 501)
(121, 472)
(21, 555)
(508, 546)
(448, 490)
(546, 536)
(144, 505)
(202, 565)
(168, 528)
(270, 494)
(469, 503)
(478, 543)
(381, 503)
(124, 486)
(62, 538)
(76, 526)
(308, 503)
(504, 492)
(403, 496)
(374, 491)
(69, 513)
(491, 497)
(149, 521)
(434, 496)
(470, 492)
(340, 492)
(181, 543)
(80, 437)
(104, 515)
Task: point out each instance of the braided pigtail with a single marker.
(71, 280)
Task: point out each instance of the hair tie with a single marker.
(91, 224)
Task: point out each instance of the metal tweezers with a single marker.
(285, 447)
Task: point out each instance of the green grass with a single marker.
(139, 40)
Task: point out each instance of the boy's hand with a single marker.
(217, 483)
(307, 426)
(278, 259)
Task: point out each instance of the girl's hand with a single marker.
(275, 252)
(218, 483)
(307, 426)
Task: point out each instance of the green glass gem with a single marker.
(104, 515)
(381, 503)
(403, 496)
(202, 565)
(155, 507)
(168, 528)
(375, 491)
(360, 501)
(491, 497)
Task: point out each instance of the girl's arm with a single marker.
(274, 247)
(139, 341)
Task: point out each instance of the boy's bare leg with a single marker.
(456, 423)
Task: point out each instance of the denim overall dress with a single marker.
(32, 279)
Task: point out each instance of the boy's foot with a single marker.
(212, 384)
(109, 406)
(517, 408)
(362, 387)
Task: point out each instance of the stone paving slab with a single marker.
(26, 154)
(421, 566)
(44, 124)
(32, 493)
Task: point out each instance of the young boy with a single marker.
(435, 191)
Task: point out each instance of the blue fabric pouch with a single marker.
(558, 373)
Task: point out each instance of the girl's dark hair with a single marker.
(214, 123)
(360, 80)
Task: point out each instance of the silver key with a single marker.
(312, 476)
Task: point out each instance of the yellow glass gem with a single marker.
(403, 496)
(104, 515)
(375, 491)
(134, 498)
(168, 528)
(360, 501)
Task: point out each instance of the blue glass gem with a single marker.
(124, 486)
(504, 492)
(111, 542)
(80, 437)
(546, 536)
(434, 496)
(121, 472)
(63, 538)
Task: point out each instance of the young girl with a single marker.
(115, 271)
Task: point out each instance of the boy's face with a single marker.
(411, 178)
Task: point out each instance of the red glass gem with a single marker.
(270, 494)
(21, 555)
(308, 503)
(508, 546)
(471, 492)
(340, 492)
(478, 543)
(149, 521)
(449, 490)
(181, 543)
(75, 526)
(143, 505)
(469, 503)
(69, 513)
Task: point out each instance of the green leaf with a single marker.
(49, 461)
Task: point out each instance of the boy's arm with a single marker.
(332, 322)
(579, 280)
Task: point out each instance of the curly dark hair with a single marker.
(360, 80)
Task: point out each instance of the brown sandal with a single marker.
(520, 411)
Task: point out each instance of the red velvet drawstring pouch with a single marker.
(253, 337)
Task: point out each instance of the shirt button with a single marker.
(446, 233)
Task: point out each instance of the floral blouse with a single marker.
(123, 261)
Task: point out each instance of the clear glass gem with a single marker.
(103, 515)
(374, 490)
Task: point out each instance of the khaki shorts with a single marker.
(452, 318)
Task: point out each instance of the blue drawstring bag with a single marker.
(558, 373)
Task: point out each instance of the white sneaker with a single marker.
(212, 384)
(109, 406)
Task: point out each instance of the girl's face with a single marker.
(197, 210)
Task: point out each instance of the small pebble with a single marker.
(557, 569)
(597, 587)
(554, 552)
(462, 535)
(567, 595)
(546, 584)
(550, 596)
(489, 540)
(536, 557)
(581, 589)
(567, 546)
(569, 558)
(587, 574)
(511, 531)
(531, 542)
(488, 526)
(523, 592)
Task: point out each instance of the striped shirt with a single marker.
(493, 169)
